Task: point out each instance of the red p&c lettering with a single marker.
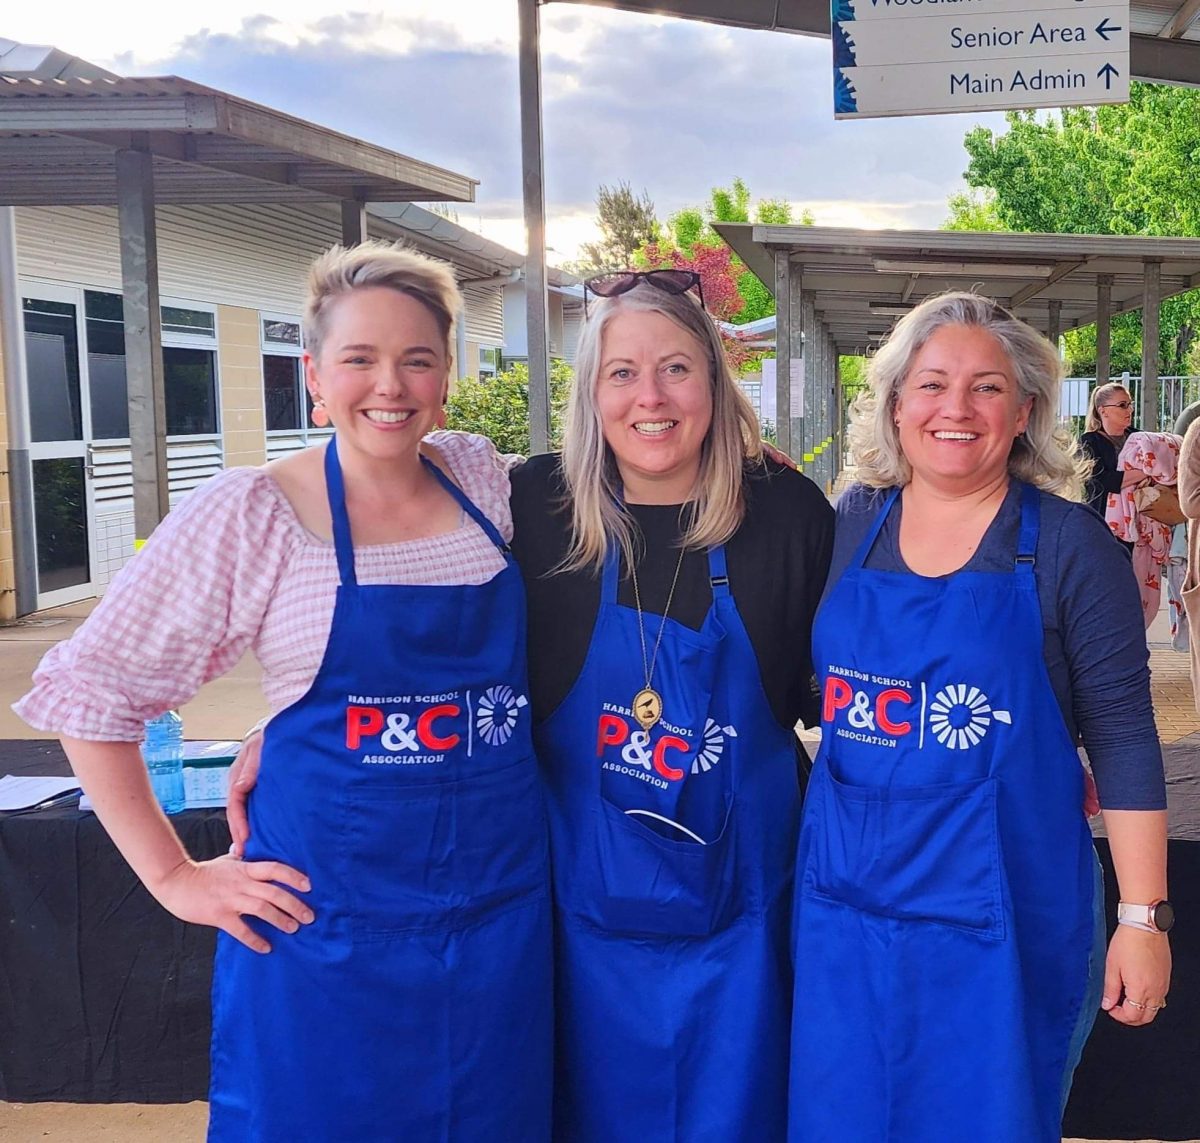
(885, 699)
(838, 694)
(425, 732)
(612, 731)
(362, 722)
(668, 742)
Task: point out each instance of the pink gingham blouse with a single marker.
(230, 569)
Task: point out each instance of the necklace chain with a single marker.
(649, 665)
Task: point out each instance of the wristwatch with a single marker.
(1156, 918)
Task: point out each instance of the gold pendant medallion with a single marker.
(647, 707)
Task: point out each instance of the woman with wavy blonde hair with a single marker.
(672, 577)
(977, 625)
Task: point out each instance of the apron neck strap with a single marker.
(343, 542)
(864, 548)
(1027, 539)
(335, 488)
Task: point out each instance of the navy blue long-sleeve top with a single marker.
(1094, 639)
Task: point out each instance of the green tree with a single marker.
(498, 407)
(693, 226)
(626, 221)
(1120, 169)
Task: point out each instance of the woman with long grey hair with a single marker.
(977, 623)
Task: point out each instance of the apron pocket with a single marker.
(926, 854)
(442, 854)
(643, 883)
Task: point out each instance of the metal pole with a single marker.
(1151, 292)
(783, 345)
(16, 411)
(533, 182)
(1054, 322)
(354, 222)
(143, 340)
(1104, 284)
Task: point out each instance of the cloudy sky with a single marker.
(671, 106)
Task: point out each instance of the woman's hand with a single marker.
(778, 456)
(243, 776)
(1133, 476)
(223, 891)
(1137, 975)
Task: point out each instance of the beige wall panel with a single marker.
(243, 421)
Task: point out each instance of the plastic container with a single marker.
(163, 754)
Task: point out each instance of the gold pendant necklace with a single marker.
(647, 703)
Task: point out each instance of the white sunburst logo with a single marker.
(496, 714)
(959, 716)
(712, 747)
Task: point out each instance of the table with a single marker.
(104, 997)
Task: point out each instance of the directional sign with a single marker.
(912, 57)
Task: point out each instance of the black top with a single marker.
(1104, 478)
(777, 562)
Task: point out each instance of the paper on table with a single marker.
(22, 792)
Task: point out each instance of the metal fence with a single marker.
(1174, 395)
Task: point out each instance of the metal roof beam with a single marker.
(1178, 24)
(1164, 61)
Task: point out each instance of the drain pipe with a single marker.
(16, 409)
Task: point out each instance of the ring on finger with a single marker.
(1146, 1005)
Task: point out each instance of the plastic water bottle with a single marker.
(163, 752)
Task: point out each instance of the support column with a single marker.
(1054, 322)
(354, 222)
(143, 340)
(1151, 295)
(783, 353)
(1104, 284)
(822, 404)
(16, 411)
(534, 190)
(807, 421)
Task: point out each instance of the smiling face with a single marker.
(1116, 413)
(959, 409)
(382, 371)
(654, 397)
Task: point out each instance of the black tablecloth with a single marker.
(104, 997)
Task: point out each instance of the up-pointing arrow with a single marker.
(1104, 27)
(1106, 73)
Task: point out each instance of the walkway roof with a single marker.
(862, 280)
(1164, 42)
(58, 137)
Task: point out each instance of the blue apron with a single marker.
(945, 884)
(418, 1005)
(673, 866)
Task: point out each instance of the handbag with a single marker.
(1158, 502)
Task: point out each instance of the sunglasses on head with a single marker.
(622, 281)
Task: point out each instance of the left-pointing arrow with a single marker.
(1107, 73)
(1104, 27)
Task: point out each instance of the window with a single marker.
(489, 361)
(753, 390)
(189, 368)
(285, 396)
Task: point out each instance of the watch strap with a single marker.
(1137, 916)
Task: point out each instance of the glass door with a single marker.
(58, 448)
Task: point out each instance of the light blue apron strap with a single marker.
(335, 488)
(860, 554)
(718, 574)
(1027, 539)
(467, 505)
